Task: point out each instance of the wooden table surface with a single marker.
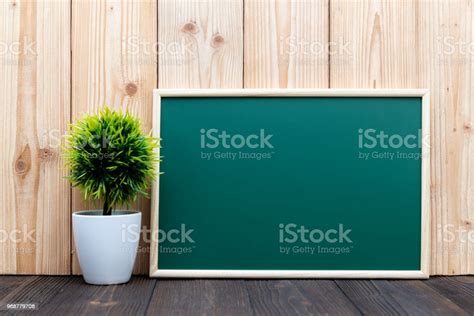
(144, 296)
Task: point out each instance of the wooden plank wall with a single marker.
(422, 44)
(60, 58)
(35, 108)
(114, 64)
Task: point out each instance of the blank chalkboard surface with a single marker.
(291, 183)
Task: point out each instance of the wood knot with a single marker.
(13, 4)
(467, 125)
(190, 27)
(217, 40)
(23, 162)
(45, 154)
(131, 89)
(21, 166)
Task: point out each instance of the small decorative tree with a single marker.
(110, 158)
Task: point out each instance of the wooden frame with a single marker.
(425, 183)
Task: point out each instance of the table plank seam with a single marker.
(349, 299)
(150, 296)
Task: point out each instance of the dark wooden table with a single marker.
(71, 296)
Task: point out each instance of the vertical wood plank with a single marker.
(114, 63)
(35, 109)
(381, 40)
(286, 44)
(447, 29)
(421, 44)
(200, 44)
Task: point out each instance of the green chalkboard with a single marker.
(291, 183)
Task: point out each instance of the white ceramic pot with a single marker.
(106, 245)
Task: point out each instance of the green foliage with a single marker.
(110, 158)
